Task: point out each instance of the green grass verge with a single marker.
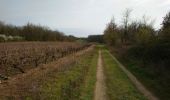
(156, 82)
(119, 87)
(89, 84)
(75, 83)
(154, 78)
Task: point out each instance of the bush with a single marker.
(158, 52)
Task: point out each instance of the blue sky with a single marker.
(79, 17)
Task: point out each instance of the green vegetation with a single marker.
(143, 50)
(4, 38)
(95, 38)
(119, 87)
(74, 83)
(89, 86)
(156, 80)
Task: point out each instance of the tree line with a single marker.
(140, 38)
(31, 32)
(95, 38)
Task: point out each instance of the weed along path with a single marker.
(100, 90)
(138, 85)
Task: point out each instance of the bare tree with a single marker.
(126, 20)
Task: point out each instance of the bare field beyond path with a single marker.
(24, 84)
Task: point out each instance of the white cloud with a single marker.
(165, 3)
(88, 16)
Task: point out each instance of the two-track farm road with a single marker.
(120, 80)
(100, 90)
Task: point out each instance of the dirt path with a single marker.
(100, 90)
(134, 80)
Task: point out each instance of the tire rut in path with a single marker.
(135, 81)
(100, 89)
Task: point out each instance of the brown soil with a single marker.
(24, 84)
